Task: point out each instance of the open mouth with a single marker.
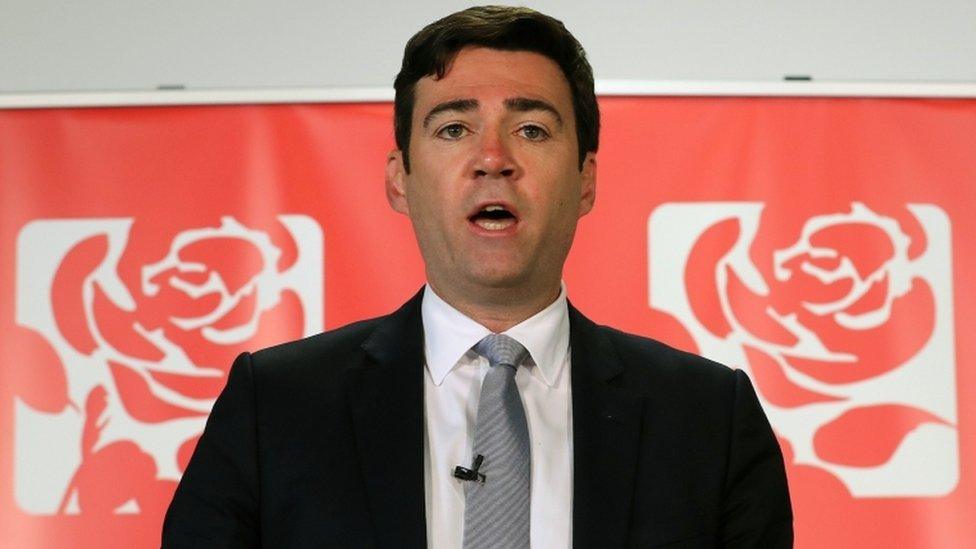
(494, 217)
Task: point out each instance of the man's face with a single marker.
(494, 190)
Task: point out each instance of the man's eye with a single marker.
(534, 133)
(452, 131)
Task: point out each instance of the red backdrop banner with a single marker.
(826, 246)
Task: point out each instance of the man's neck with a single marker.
(498, 309)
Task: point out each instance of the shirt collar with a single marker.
(449, 334)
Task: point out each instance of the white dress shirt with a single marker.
(452, 388)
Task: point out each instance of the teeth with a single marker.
(494, 224)
(492, 208)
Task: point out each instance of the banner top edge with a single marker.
(606, 88)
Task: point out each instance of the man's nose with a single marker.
(494, 157)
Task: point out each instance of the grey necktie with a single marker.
(496, 513)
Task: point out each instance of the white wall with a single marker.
(48, 45)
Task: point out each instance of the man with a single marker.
(426, 427)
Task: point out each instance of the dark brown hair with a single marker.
(431, 51)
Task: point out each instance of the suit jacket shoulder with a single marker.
(316, 362)
(659, 361)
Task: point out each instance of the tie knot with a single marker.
(501, 349)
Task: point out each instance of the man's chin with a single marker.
(512, 284)
(497, 275)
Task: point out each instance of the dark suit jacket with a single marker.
(319, 443)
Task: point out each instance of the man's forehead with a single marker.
(493, 77)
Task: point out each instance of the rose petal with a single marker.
(191, 386)
(35, 372)
(779, 225)
(66, 296)
(750, 310)
(872, 300)
(876, 350)
(866, 245)
(282, 323)
(665, 327)
(149, 240)
(139, 400)
(158, 310)
(701, 275)
(95, 404)
(241, 314)
(111, 476)
(868, 436)
(802, 287)
(775, 387)
(117, 326)
(236, 260)
(154, 496)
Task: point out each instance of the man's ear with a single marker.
(587, 184)
(396, 193)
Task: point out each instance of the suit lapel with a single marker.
(387, 402)
(606, 430)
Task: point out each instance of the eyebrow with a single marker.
(518, 104)
(524, 104)
(457, 105)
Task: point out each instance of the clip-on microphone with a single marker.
(464, 473)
